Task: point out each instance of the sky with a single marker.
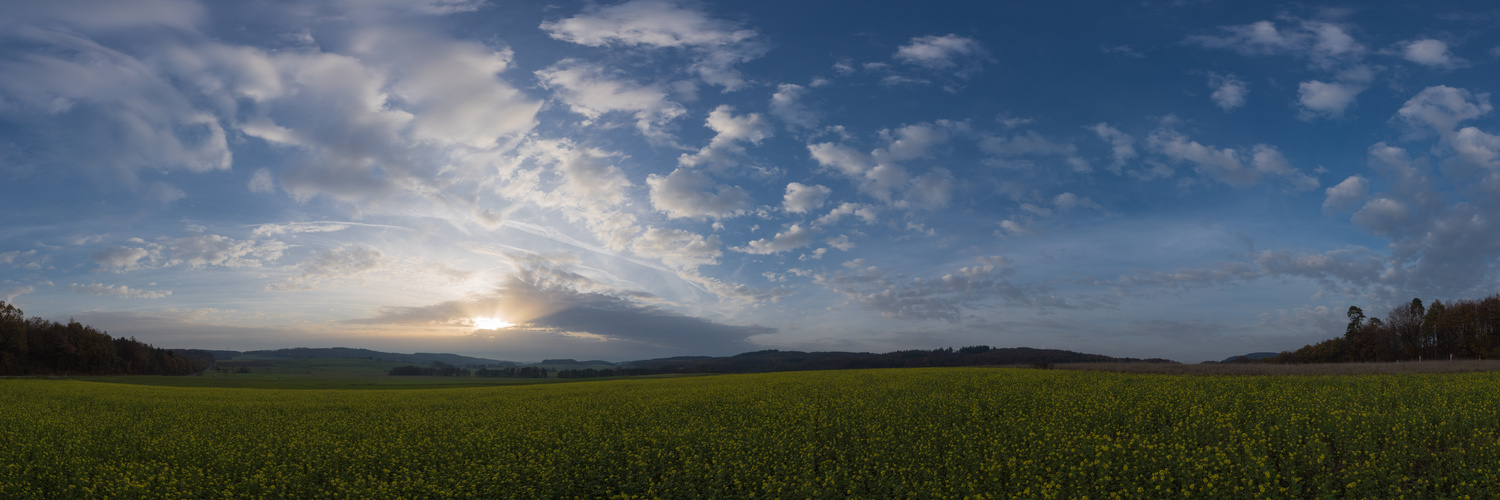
(604, 180)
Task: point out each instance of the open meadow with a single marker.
(893, 433)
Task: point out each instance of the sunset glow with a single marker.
(486, 323)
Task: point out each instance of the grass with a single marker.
(889, 433)
(1404, 367)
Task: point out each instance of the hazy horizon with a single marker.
(651, 178)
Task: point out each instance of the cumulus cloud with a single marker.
(120, 258)
(687, 193)
(1429, 52)
(1229, 166)
(866, 213)
(582, 183)
(912, 141)
(335, 264)
(875, 179)
(1441, 108)
(678, 248)
(1324, 44)
(1014, 150)
(27, 259)
(194, 251)
(1122, 145)
(786, 104)
(214, 250)
(716, 45)
(1323, 99)
(963, 55)
(841, 242)
(731, 131)
(1229, 91)
(120, 291)
(932, 190)
(1068, 201)
(11, 293)
(451, 87)
(589, 90)
(794, 237)
(1346, 195)
(802, 198)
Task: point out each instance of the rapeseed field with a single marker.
(896, 433)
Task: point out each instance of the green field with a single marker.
(895, 433)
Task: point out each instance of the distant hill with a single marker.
(1254, 356)
(349, 352)
(775, 360)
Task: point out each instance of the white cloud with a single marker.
(794, 237)
(119, 259)
(1476, 148)
(717, 45)
(1429, 52)
(802, 198)
(731, 130)
(195, 252)
(786, 104)
(944, 52)
(678, 248)
(1228, 165)
(1069, 201)
(214, 250)
(300, 227)
(932, 190)
(590, 92)
(1031, 144)
(591, 188)
(129, 116)
(1122, 145)
(1346, 195)
(342, 263)
(1441, 108)
(1328, 100)
(1270, 162)
(841, 242)
(685, 193)
(15, 258)
(911, 141)
(1229, 91)
(16, 291)
(895, 295)
(866, 213)
(1324, 44)
(262, 182)
(120, 291)
(451, 87)
(875, 179)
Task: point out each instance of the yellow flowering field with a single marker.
(895, 433)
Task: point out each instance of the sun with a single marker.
(489, 323)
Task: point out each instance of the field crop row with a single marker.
(919, 433)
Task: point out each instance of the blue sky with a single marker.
(610, 180)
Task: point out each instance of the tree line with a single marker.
(1462, 329)
(604, 372)
(438, 369)
(38, 346)
(441, 369)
